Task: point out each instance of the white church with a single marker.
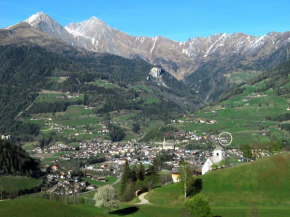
(168, 146)
(218, 155)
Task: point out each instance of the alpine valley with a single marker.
(87, 107)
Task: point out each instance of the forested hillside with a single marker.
(15, 161)
(104, 82)
(23, 73)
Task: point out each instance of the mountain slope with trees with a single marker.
(28, 69)
(14, 160)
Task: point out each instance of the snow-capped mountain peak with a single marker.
(88, 28)
(38, 17)
(179, 58)
(46, 24)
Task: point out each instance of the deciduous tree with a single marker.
(198, 206)
(247, 151)
(107, 198)
(186, 177)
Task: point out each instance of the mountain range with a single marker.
(202, 63)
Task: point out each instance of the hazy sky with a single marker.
(178, 19)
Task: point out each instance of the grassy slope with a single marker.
(15, 183)
(243, 118)
(43, 208)
(231, 191)
(265, 182)
(109, 180)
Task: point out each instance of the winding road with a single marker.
(142, 199)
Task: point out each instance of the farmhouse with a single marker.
(218, 155)
(175, 175)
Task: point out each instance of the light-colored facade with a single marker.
(218, 155)
(167, 146)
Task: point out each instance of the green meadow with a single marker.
(109, 180)
(152, 100)
(240, 77)
(103, 83)
(230, 192)
(16, 183)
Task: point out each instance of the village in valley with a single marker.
(105, 160)
(77, 155)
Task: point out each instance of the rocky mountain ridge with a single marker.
(199, 62)
(179, 58)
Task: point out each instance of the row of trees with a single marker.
(279, 118)
(285, 126)
(138, 178)
(252, 152)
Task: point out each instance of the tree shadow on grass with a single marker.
(125, 211)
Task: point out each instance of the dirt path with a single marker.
(142, 199)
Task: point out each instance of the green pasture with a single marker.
(16, 183)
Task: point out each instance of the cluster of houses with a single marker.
(65, 182)
(41, 118)
(254, 96)
(72, 95)
(205, 121)
(5, 137)
(116, 154)
(197, 121)
(57, 148)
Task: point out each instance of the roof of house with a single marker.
(175, 170)
(218, 148)
(214, 159)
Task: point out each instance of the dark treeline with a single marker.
(115, 68)
(279, 118)
(52, 107)
(231, 93)
(285, 126)
(138, 178)
(157, 134)
(116, 133)
(276, 76)
(14, 160)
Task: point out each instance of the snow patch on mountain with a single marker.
(35, 18)
(258, 43)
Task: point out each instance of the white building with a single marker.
(175, 174)
(218, 155)
(5, 137)
(167, 146)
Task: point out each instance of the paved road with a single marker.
(118, 179)
(142, 199)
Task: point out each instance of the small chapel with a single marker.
(218, 155)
